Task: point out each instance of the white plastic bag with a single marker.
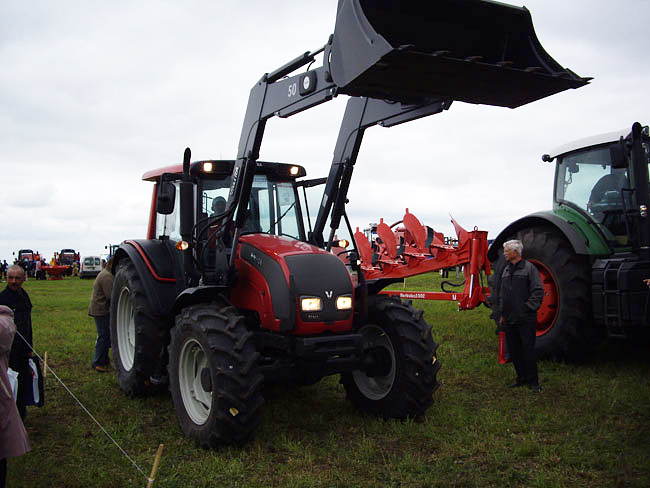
(13, 381)
(35, 389)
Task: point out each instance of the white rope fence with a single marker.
(150, 479)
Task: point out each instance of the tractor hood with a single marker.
(475, 51)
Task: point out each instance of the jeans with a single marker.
(103, 343)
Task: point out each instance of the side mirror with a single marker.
(617, 155)
(166, 198)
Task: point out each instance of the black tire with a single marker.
(214, 379)
(136, 333)
(564, 327)
(407, 389)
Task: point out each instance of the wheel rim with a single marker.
(125, 329)
(197, 401)
(376, 387)
(548, 310)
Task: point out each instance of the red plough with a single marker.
(411, 249)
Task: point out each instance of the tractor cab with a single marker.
(593, 178)
(273, 205)
(587, 182)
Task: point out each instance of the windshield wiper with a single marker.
(280, 218)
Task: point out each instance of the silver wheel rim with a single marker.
(125, 329)
(192, 361)
(376, 387)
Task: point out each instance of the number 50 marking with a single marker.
(293, 88)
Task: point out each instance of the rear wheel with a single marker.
(564, 328)
(136, 333)
(214, 379)
(403, 376)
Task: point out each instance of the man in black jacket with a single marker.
(16, 298)
(520, 296)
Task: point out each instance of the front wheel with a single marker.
(213, 375)
(136, 333)
(403, 374)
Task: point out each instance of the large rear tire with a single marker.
(564, 326)
(403, 340)
(136, 333)
(214, 378)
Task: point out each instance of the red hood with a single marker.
(280, 246)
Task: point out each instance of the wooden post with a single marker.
(154, 469)
(45, 364)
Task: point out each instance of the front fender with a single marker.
(159, 268)
(584, 239)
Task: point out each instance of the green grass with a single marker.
(590, 427)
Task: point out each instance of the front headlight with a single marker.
(311, 304)
(344, 303)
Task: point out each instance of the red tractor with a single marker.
(27, 260)
(67, 257)
(234, 287)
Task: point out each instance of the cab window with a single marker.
(170, 225)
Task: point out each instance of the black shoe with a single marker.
(535, 388)
(159, 380)
(517, 384)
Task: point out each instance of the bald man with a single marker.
(16, 298)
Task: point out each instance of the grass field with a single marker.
(590, 427)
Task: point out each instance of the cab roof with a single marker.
(154, 174)
(585, 142)
(223, 167)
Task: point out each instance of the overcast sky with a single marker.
(95, 93)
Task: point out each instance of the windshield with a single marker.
(271, 207)
(214, 195)
(587, 180)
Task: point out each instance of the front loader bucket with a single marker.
(475, 51)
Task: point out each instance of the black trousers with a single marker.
(25, 384)
(520, 338)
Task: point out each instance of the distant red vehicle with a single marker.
(67, 257)
(27, 258)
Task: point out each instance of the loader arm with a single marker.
(419, 57)
(274, 95)
(360, 114)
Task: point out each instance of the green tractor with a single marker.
(593, 249)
